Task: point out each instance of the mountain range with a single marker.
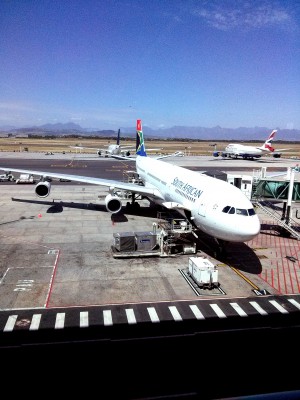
(173, 133)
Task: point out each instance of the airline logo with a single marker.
(140, 149)
(186, 188)
(268, 142)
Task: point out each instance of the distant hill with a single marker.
(176, 132)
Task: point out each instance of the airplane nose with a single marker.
(252, 229)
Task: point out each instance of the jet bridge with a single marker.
(283, 188)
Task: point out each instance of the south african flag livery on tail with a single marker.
(140, 145)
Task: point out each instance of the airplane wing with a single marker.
(275, 150)
(176, 154)
(132, 187)
(87, 148)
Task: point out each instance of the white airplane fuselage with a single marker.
(202, 198)
(240, 150)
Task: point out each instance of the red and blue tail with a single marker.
(140, 145)
(267, 146)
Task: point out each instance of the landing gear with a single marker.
(133, 205)
(220, 251)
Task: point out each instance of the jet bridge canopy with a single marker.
(276, 189)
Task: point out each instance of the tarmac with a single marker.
(57, 252)
(66, 301)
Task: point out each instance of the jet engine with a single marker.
(99, 153)
(42, 189)
(127, 153)
(113, 203)
(276, 155)
(216, 154)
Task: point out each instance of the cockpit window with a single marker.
(238, 211)
(226, 209)
(241, 211)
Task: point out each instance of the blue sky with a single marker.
(103, 64)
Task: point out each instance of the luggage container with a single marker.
(203, 272)
(124, 241)
(145, 240)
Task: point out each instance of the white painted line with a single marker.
(279, 307)
(295, 303)
(84, 319)
(258, 308)
(60, 320)
(10, 324)
(35, 322)
(218, 311)
(238, 309)
(107, 318)
(130, 316)
(198, 314)
(175, 313)
(153, 314)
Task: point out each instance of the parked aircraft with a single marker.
(236, 150)
(213, 206)
(115, 149)
(111, 149)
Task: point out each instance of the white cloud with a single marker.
(249, 15)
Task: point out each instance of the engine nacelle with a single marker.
(127, 153)
(113, 203)
(42, 189)
(99, 152)
(277, 155)
(216, 154)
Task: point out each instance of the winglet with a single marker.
(140, 145)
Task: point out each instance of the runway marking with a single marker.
(198, 314)
(295, 303)
(218, 311)
(60, 321)
(52, 277)
(238, 309)
(10, 324)
(278, 307)
(107, 318)
(258, 308)
(153, 314)
(175, 313)
(35, 322)
(130, 316)
(84, 319)
(244, 277)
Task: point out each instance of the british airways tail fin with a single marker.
(267, 146)
(140, 145)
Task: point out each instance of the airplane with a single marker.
(112, 149)
(236, 150)
(211, 205)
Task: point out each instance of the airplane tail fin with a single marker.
(140, 145)
(267, 146)
(118, 138)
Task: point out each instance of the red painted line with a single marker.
(278, 280)
(291, 280)
(296, 276)
(52, 279)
